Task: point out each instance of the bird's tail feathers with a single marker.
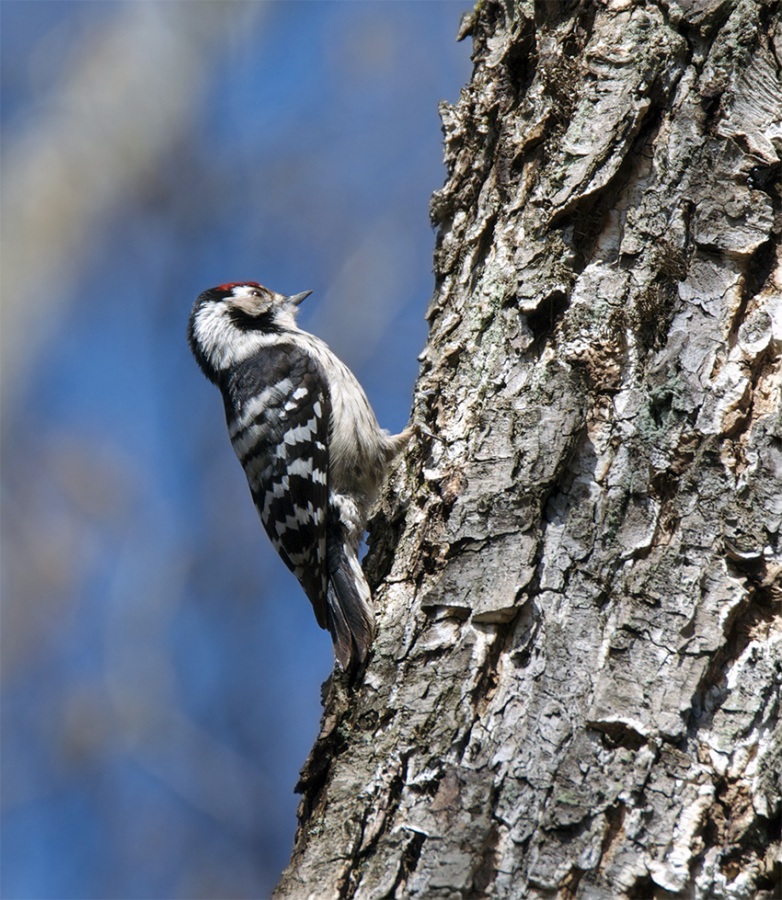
(350, 617)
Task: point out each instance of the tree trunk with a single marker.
(574, 690)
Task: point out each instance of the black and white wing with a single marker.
(278, 411)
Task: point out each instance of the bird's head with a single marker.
(230, 322)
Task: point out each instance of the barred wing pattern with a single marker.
(278, 412)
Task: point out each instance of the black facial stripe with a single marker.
(264, 322)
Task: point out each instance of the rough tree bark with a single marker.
(574, 691)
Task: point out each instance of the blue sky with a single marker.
(161, 668)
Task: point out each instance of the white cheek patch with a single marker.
(211, 329)
(222, 342)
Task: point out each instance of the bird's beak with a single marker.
(296, 299)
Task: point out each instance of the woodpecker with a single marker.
(308, 440)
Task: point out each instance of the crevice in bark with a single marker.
(484, 874)
(569, 885)
(748, 841)
(654, 306)
(760, 607)
(482, 248)
(619, 734)
(588, 214)
(583, 16)
(558, 75)
(711, 104)
(385, 528)
(521, 60)
(696, 22)
(409, 861)
(643, 888)
(543, 321)
(486, 683)
(526, 626)
(768, 17)
(759, 269)
(614, 831)
(756, 275)
(392, 800)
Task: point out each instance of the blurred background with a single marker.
(161, 669)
